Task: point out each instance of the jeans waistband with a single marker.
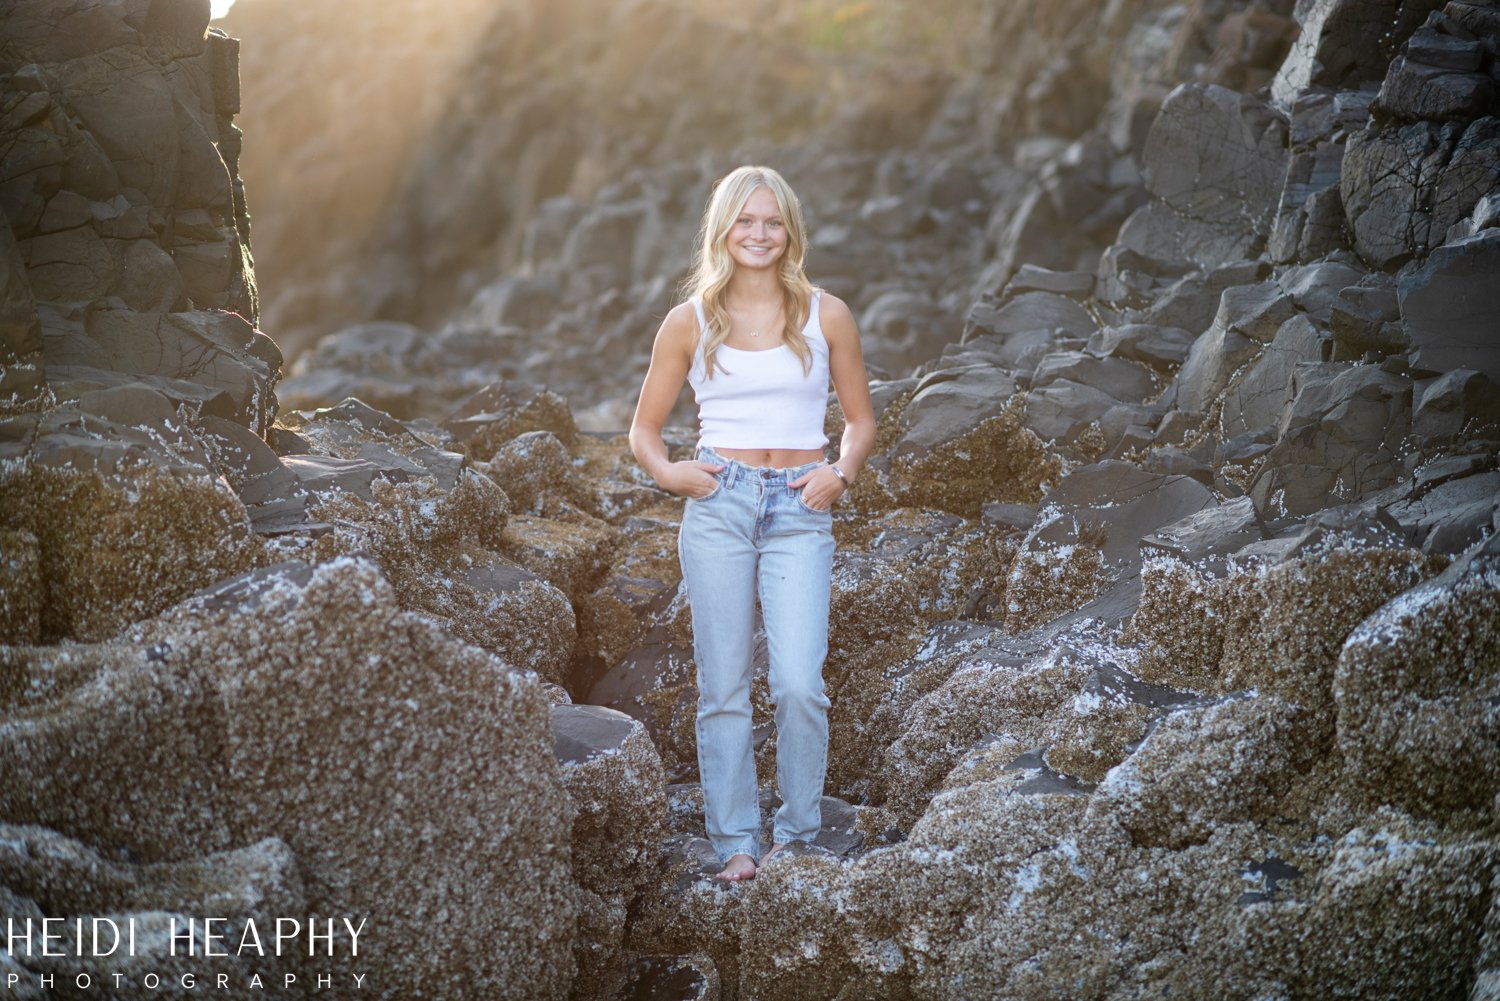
(735, 469)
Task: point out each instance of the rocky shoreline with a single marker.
(1165, 657)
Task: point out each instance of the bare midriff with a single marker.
(775, 457)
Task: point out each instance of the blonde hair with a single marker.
(713, 266)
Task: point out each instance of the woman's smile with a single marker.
(758, 236)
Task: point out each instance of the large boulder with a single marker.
(411, 775)
(1214, 161)
(1209, 766)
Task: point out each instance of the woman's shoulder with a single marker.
(828, 303)
(684, 312)
(679, 328)
(834, 316)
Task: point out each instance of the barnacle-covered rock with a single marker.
(614, 778)
(411, 775)
(1417, 689)
(1000, 460)
(125, 520)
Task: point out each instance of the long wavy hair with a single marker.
(713, 267)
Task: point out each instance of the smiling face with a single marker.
(758, 236)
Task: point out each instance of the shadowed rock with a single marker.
(1449, 305)
(1386, 172)
(1337, 440)
(1214, 160)
(127, 518)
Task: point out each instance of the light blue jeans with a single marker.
(753, 535)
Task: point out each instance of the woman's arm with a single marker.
(671, 354)
(846, 365)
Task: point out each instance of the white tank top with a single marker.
(762, 399)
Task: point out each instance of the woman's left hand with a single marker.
(820, 487)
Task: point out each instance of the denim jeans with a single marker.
(753, 535)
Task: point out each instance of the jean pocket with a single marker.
(804, 505)
(718, 489)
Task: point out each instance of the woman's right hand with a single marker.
(691, 478)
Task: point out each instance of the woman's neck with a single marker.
(753, 286)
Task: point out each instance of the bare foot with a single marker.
(740, 866)
(774, 849)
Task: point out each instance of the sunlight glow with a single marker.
(220, 8)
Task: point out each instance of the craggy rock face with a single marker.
(1165, 613)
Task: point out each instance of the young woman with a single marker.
(758, 342)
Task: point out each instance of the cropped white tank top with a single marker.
(762, 399)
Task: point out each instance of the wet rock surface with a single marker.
(1165, 613)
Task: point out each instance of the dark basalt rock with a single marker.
(1458, 401)
(249, 590)
(1028, 310)
(671, 978)
(1344, 43)
(494, 415)
(581, 733)
(1269, 875)
(1448, 514)
(1115, 505)
(949, 404)
(1404, 187)
(1306, 468)
(1121, 379)
(273, 494)
(1060, 412)
(1449, 306)
(1256, 399)
(1365, 318)
(1030, 278)
(1163, 348)
(1417, 91)
(1211, 531)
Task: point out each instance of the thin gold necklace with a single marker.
(756, 333)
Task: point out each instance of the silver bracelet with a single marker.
(840, 474)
